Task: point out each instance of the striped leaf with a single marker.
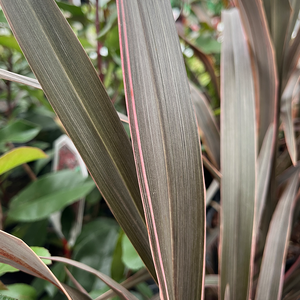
(238, 160)
(166, 145)
(78, 97)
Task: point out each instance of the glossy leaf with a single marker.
(48, 194)
(19, 131)
(270, 279)
(19, 156)
(287, 98)
(166, 144)
(206, 121)
(94, 247)
(238, 159)
(20, 291)
(9, 42)
(119, 289)
(78, 97)
(129, 256)
(17, 254)
(264, 63)
(264, 164)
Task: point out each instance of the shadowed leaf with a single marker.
(270, 279)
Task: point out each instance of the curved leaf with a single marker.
(238, 160)
(118, 289)
(19, 156)
(166, 144)
(17, 254)
(78, 97)
(270, 279)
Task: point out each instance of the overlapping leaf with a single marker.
(238, 160)
(264, 62)
(271, 272)
(17, 254)
(166, 146)
(74, 90)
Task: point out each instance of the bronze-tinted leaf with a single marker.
(238, 159)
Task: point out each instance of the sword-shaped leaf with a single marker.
(238, 159)
(77, 95)
(264, 62)
(166, 144)
(270, 279)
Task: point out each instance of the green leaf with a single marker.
(50, 193)
(6, 298)
(19, 131)
(20, 291)
(9, 41)
(208, 44)
(19, 156)
(238, 159)
(207, 124)
(129, 256)
(117, 266)
(256, 27)
(95, 247)
(16, 253)
(4, 268)
(78, 97)
(272, 268)
(166, 144)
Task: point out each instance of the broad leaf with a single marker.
(19, 131)
(20, 291)
(166, 144)
(78, 97)
(264, 63)
(118, 289)
(270, 279)
(208, 128)
(48, 194)
(17, 254)
(129, 256)
(238, 159)
(19, 156)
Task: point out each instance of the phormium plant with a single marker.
(154, 183)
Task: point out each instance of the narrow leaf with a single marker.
(270, 279)
(75, 294)
(166, 144)
(206, 121)
(17, 254)
(238, 159)
(264, 164)
(78, 97)
(287, 98)
(119, 289)
(264, 63)
(19, 156)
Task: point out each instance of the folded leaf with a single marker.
(270, 279)
(78, 97)
(166, 144)
(17, 254)
(238, 160)
(19, 156)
